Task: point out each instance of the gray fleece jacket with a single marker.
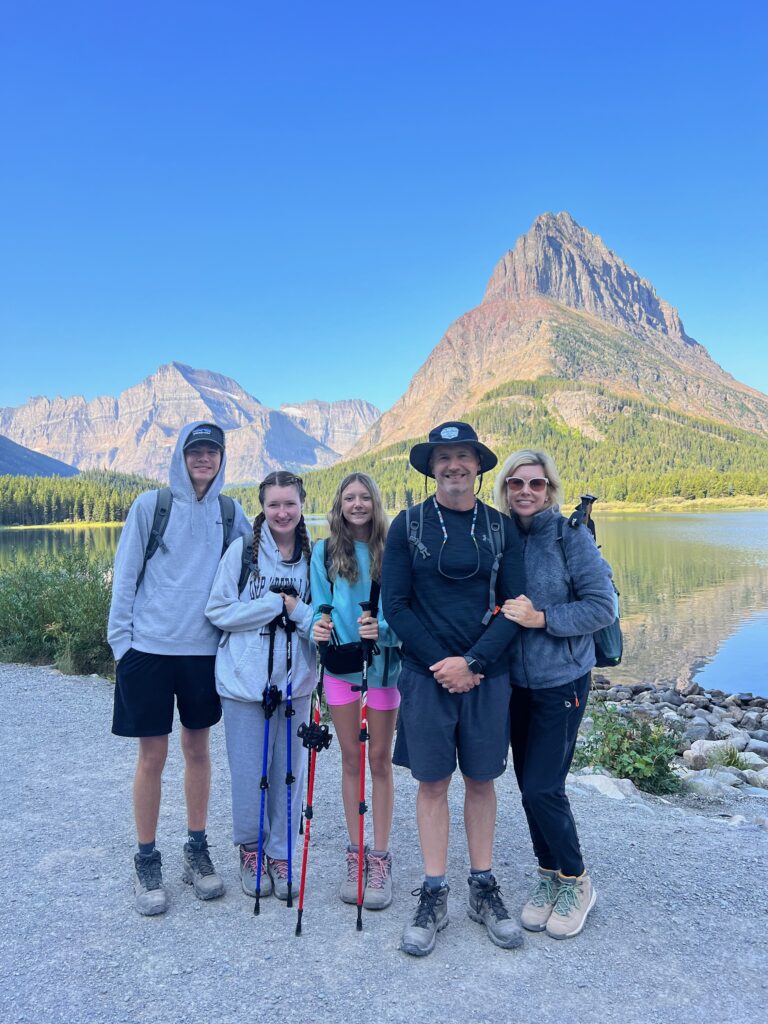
(166, 615)
(576, 601)
(243, 654)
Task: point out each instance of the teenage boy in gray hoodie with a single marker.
(165, 649)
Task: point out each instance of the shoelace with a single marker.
(280, 866)
(149, 870)
(351, 866)
(428, 901)
(492, 896)
(544, 892)
(250, 860)
(201, 858)
(567, 898)
(378, 871)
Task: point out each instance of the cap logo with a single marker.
(201, 430)
(448, 433)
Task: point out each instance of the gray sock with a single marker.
(147, 849)
(434, 881)
(481, 876)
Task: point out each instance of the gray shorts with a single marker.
(435, 727)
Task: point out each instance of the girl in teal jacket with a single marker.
(341, 572)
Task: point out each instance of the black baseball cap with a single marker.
(205, 433)
(452, 432)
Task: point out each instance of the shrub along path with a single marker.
(678, 931)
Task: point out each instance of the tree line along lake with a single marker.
(694, 590)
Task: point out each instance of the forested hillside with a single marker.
(96, 496)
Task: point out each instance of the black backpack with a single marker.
(494, 522)
(163, 504)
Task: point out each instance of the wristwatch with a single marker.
(474, 665)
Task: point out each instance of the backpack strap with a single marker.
(561, 543)
(327, 563)
(163, 503)
(414, 530)
(246, 563)
(495, 535)
(227, 509)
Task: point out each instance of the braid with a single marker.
(306, 548)
(257, 524)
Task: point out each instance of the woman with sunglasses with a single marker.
(569, 597)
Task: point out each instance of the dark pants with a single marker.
(543, 734)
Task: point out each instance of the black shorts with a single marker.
(436, 727)
(145, 688)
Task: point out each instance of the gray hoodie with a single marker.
(576, 602)
(242, 658)
(166, 615)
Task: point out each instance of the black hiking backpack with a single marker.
(163, 504)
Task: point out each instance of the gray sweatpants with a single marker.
(244, 728)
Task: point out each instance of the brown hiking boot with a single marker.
(575, 898)
(535, 913)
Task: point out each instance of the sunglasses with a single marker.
(537, 484)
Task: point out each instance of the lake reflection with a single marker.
(694, 590)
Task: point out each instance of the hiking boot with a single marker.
(151, 897)
(487, 907)
(535, 913)
(278, 872)
(575, 898)
(378, 887)
(200, 873)
(348, 888)
(249, 860)
(429, 918)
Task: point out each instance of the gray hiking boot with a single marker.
(536, 911)
(487, 907)
(378, 887)
(429, 918)
(249, 860)
(575, 899)
(148, 884)
(278, 872)
(348, 887)
(200, 873)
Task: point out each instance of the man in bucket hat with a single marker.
(448, 565)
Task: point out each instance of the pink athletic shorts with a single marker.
(380, 698)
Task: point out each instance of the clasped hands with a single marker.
(454, 675)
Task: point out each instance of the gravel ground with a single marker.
(678, 931)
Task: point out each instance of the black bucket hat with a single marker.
(205, 433)
(452, 432)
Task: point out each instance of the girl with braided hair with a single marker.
(251, 658)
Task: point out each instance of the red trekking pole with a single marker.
(366, 645)
(314, 737)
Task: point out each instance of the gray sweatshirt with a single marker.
(242, 658)
(166, 615)
(564, 650)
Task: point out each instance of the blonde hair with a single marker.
(341, 545)
(527, 457)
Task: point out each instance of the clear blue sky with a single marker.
(304, 195)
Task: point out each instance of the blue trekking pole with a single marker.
(270, 702)
(290, 626)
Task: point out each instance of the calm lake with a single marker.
(694, 591)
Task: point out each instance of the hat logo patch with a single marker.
(201, 430)
(448, 433)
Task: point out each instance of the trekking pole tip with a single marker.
(298, 924)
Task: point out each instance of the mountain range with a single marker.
(136, 432)
(16, 460)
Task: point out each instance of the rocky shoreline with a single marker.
(723, 738)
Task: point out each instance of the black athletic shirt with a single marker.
(435, 617)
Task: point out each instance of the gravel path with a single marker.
(678, 932)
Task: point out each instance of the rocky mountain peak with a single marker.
(561, 260)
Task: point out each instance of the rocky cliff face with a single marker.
(338, 425)
(562, 304)
(15, 460)
(136, 432)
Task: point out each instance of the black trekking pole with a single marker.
(366, 646)
(315, 737)
(270, 702)
(290, 626)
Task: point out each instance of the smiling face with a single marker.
(455, 468)
(203, 462)
(525, 501)
(282, 510)
(357, 509)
